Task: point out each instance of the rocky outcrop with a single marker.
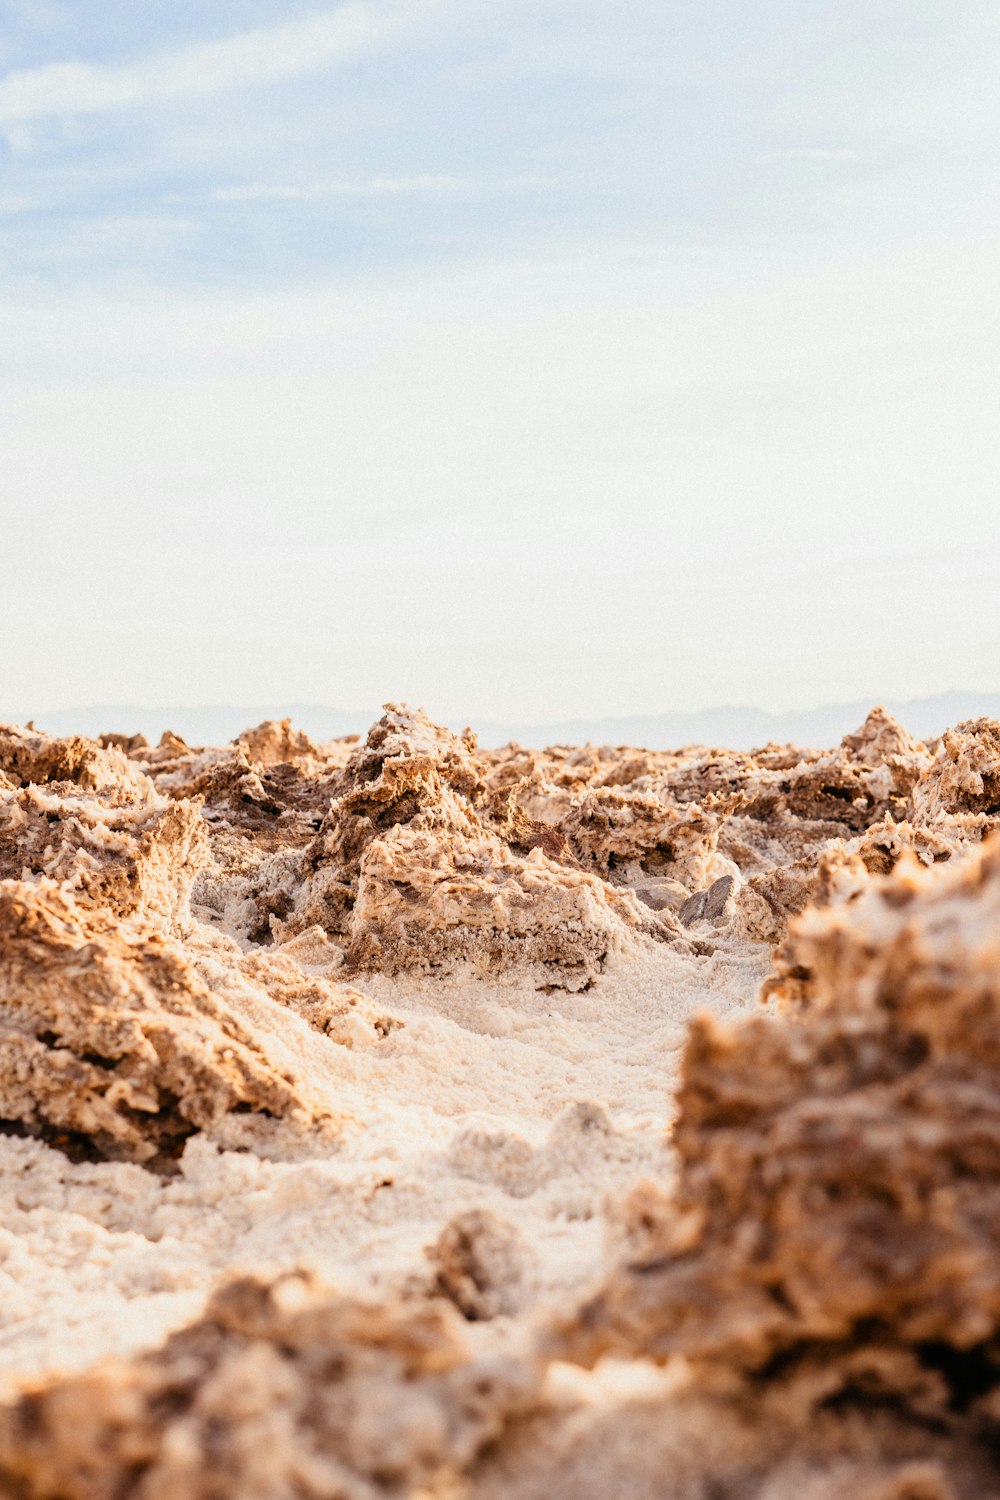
(355, 838)
(281, 1390)
(409, 872)
(820, 1284)
(129, 858)
(964, 776)
(837, 1209)
(31, 758)
(626, 835)
(112, 1046)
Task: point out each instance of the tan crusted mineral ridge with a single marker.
(408, 872)
(85, 816)
(833, 1231)
(281, 1390)
(798, 1293)
(111, 1045)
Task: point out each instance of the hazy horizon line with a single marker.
(327, 706)
(738, 728)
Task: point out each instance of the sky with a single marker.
(519, 358)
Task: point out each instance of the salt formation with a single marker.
(479, 1260)
(837, 1209)
(403, 1011)
(416, 849)
(29, 758)
(282, 1390)
(407, 870)
(85, 816)
(110, 1043)
(113, 1044)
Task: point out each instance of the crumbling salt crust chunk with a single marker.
(112, 1046)
(139, 857)
(30, 758)
(261, 801)
(671, 824)
(880, 794)
(837, 1211)
(275, 743)
(274, 804)
(408, 872)
(964, 776)
(429, 903)
(358, 839)
(281, 1390)
(83, 815)
(340, 1012)
(631, 835)
(479, 1260)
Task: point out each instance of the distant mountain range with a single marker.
(739, 728)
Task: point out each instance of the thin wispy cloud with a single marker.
(430, 184)
(374, 187)
(265, 55)
(811, 153)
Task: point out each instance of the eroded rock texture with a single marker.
(837, 1213)
(862, 804)
(409, 870)
(417, 849)
(281, 1391)
(174, 918)
(776, 820)
(138, 858)
(275, 861)
(112, 1046)
(126, 1024)
(30, 758)
(82, 814)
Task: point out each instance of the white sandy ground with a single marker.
(473, 1103)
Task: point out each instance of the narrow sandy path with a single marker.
(539, 1107)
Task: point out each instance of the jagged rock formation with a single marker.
(964, 777)
(826, 1263)
(837, 1212)
(633, 834)
(85, 816)
(112, 1046)
(139, 857)
(29, 758)
(407, 870)
(416, 850)
(408, 849)
(282, 1390)
(869, 801)
(121, 1035)
(671, 823)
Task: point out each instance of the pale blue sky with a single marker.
(543, 359)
